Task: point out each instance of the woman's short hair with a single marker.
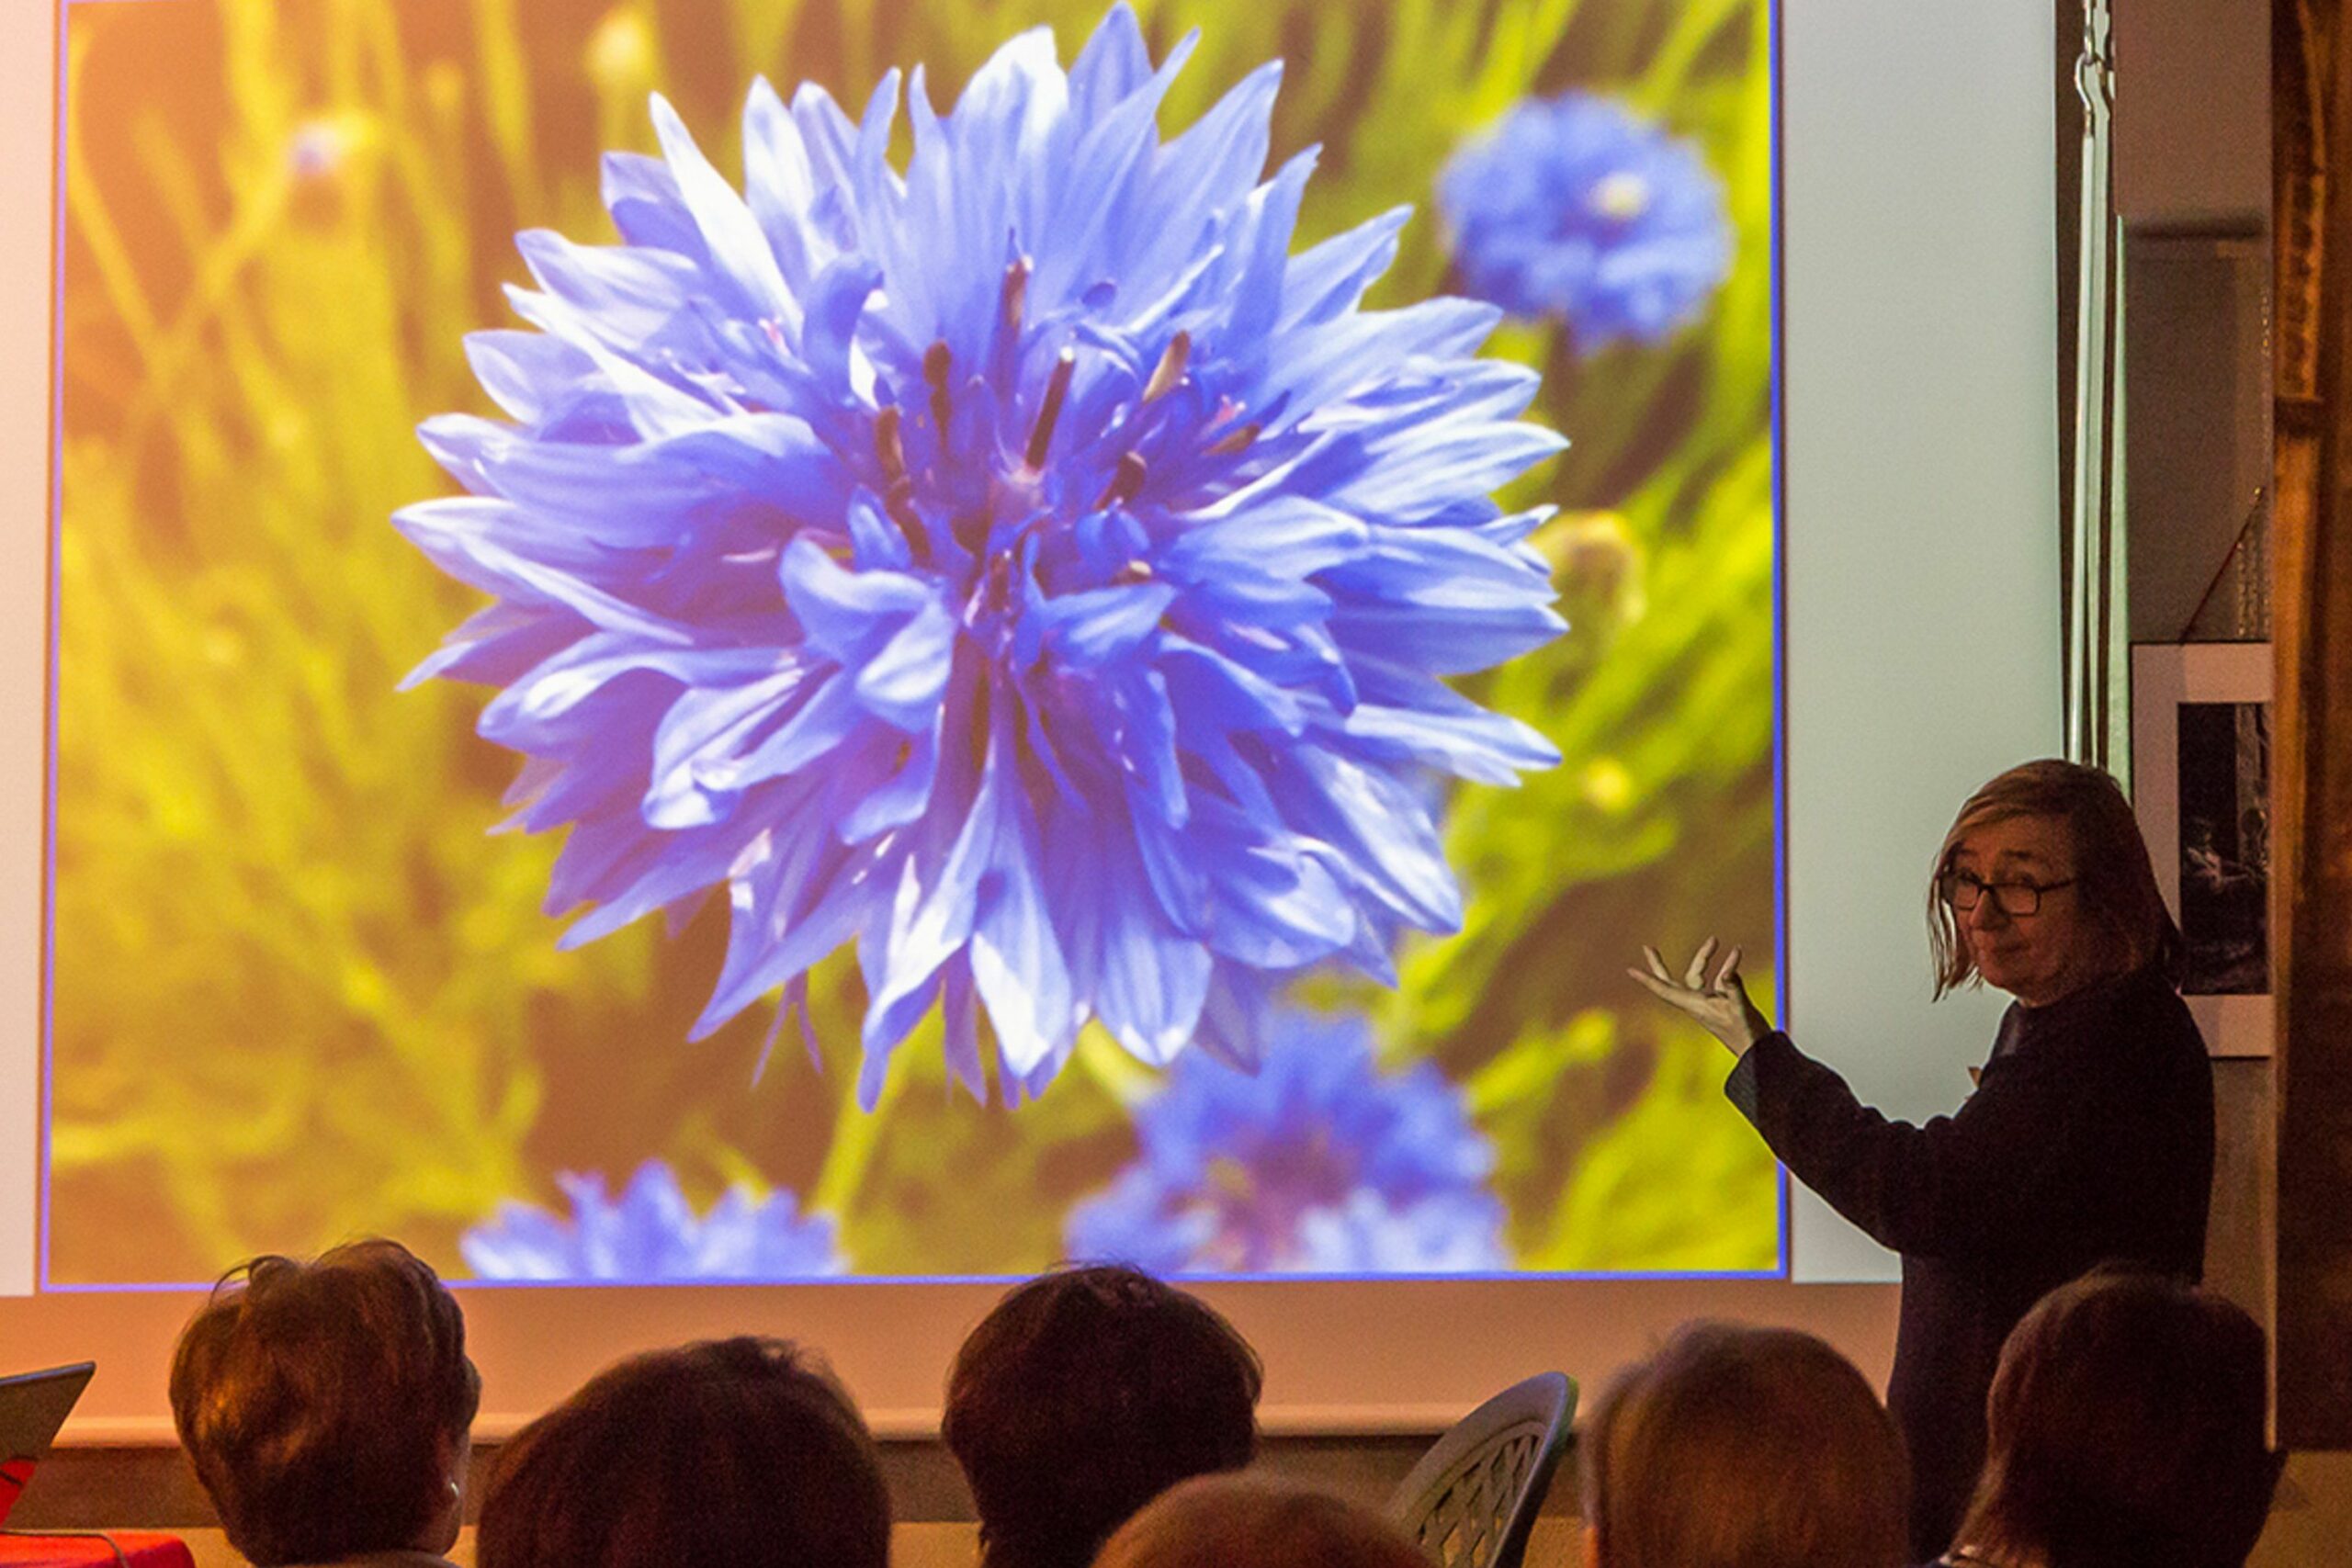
(321, 1401)
(1247, 1521)
(1083, 1396)
(2113, 879)
(2126, 1424)
(1745, 1448)
(731, 1454)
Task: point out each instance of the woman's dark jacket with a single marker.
(2090, 1138)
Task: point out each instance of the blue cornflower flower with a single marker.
(1570, 206)
(1020, 567)
(1317, 1164)
(652, 1233)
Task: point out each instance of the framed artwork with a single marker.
(2200, 778)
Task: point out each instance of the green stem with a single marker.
(857, 1134)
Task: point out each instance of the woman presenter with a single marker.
(2089, 1137)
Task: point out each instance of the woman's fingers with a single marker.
(1666, 991)
(1722, 1007)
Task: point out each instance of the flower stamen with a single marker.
(1127, 482)
(1235, 442)
(1171, 368)
(1041, 434)
(1012, 299)
(936, 362)
(899, 486)
(887, 449)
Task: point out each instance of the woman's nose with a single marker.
(1988, 914)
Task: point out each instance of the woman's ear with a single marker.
(452, 1453)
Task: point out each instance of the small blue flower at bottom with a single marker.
(1317, 1164)
(653, 1234)
(1572, 207)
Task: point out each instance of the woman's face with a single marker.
(2039, 957)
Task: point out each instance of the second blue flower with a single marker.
(1572, 207)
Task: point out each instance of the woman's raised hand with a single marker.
(1720, 1007)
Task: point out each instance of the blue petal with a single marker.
(936, 894)
(778, 951)
(644, 197)
(846, 616)
(530, 375)
(904, 680)
(1417, 469)
(899, 798)
(1112, 63)
(778, 183)
(1087, 630)
(1380, 831)
(1328, 278)
(1017, 964)
(564, 680)
(736, 248)
(1284, 536)
(708, 726)
(829, 717)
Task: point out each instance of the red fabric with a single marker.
(145, 1549)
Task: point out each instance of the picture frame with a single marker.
(2200, 780)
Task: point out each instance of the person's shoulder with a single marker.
(2143, 1005)
(2156, 999)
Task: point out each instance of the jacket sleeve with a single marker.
(1996, 1176)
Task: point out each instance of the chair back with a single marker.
(1471, 1501)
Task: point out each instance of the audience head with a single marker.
(2126, 1424)
(1085, 1394)
(1744, 1447)
(2106, 918)
(732, 1453)
(1244, 1521)
(326, 1404)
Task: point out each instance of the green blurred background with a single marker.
(300, 995)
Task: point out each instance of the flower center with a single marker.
(1283, 1181)
(991, 489)
(1621, 197)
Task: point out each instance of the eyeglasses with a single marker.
(1965, 892)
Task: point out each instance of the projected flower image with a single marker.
(1318, 1163)
(1023, 567)
(649, 1233)
(1571, 206)
(1042, 626)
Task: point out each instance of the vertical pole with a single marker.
(2094, 618)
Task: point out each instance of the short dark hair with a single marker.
(319, 1401)
(2113, 878)
(1248, 1521)
(731, 1454)
(2127, 1425)
(1747, 1447)
(1083, 1396)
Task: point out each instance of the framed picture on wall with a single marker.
(2200, 783)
